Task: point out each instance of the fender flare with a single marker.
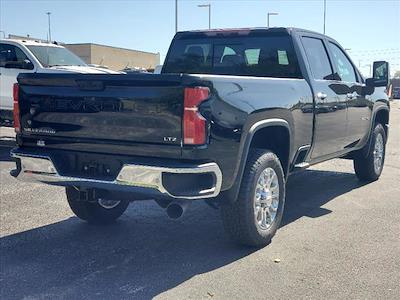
(232, 193)
(366, 150)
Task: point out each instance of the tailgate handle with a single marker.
(90, 85)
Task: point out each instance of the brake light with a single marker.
(194, 125)
(17, 121)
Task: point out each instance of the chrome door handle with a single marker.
(321, 95)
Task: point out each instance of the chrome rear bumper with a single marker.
(41, 169)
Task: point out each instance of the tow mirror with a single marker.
(380, 71)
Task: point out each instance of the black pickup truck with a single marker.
(231, 115)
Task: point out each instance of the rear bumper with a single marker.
(183, 182)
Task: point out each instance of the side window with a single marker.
(10, 54)
(318, 58)
(343, 66)
(7, 54)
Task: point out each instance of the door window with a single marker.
(343, 65)
(317, 58)
(10, 54)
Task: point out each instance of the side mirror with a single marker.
(380, 71)
(24, 65)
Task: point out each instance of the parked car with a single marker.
(232, 114)
(396, 93)
(20, 56)
(394, 88)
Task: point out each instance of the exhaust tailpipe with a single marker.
(176, 209)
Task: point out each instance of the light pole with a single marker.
(370, 69)
(324, 15)
(48, 15)
(271, 14)
(209, 13)
(176, 16)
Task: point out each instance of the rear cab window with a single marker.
(267, 55)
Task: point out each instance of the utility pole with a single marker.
(176, 16)
(324, 15)
(209, 13)
(48, 15)
(370, 69)
(271, 14)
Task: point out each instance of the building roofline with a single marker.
(114, 47)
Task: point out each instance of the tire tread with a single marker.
(237, 222)
(364, 163)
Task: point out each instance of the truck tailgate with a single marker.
(139, 108)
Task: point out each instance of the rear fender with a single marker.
(377, 113)
(231, 194)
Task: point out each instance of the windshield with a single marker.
(266, 56)
(55, 56)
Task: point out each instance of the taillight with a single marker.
(194, 125)
(17, 122)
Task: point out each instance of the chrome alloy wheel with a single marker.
(378, 153)
(108, 204)
(266, 198)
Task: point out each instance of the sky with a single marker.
(369, 28)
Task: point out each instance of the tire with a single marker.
(94, 211)
(368, 165)
(239, 218)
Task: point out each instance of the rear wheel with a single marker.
(254, 217)
(369, 166)
(95, 210)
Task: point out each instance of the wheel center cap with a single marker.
(266, 199)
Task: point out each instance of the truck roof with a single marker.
(28, 43)
(211, 32)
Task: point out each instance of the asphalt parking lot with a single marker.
(339, 239)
